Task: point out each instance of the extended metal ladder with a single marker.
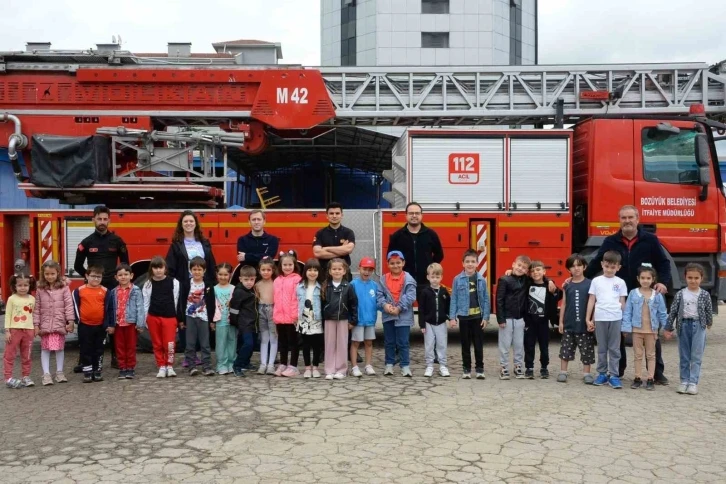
(513, 95)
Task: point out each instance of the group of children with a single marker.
(326, 311)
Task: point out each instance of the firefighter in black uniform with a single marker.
(105, 249)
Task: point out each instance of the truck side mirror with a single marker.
(703, 152)
(704, 176)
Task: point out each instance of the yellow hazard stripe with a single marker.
(295, 225)
(534, 224)
(127, 225)
(686, 226)
(659, 225)
(396, 225)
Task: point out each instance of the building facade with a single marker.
(428, 32)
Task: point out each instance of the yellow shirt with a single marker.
(19, 312)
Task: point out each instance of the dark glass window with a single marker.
(435, 40)
(347, 33)
(434, 6)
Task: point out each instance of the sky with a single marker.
(570, 31)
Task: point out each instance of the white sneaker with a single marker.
(406, 371)
(480, 376)
(162, 372)
(388, 370)
(356, 372)
(466, 376)
(170, 373)
(443, 371)
(329, 377)
(692, 389)
(316, 373)
(429, 371)
(307, 374)
(261, 370)
(338, 376)
(682, 388)
(370, 371)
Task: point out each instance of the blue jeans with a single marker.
(396, 338)
(245, 345)
(691, 343)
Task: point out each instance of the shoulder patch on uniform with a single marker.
(81, 248)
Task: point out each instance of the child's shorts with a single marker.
(361, 333)
(586, 343)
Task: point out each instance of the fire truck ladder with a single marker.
(516, 95)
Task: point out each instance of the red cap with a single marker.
(367, 262)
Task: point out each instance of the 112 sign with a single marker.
(464, 168)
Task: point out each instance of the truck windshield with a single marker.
(669, 158)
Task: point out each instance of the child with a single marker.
(310, 317)
(573, 326)
(285, 314)
(125, 318)
(225, 334)
(200, 312)
(511, 300)
(161, 298)
(365, 330)
(53, 319)
(396, 294)
(470, 303)
(90, 306)
(644, 314)
(265, 306)
(340, 314)
(19, 332)
(541, 312)
(607, 299)
(243, 318)
(434, 307)
(692, 313)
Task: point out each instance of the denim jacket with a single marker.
(460, 296)
(405, 303)
(317, 301)
(633, 313)
(135, 313)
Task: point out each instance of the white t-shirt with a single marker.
(690, 304)
(608, 291)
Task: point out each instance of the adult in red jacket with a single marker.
(188, 242)
(419, 245)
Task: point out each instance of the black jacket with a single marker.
(511, 297)
(419, 250)
(646, 249)
(340, 303)
(427, 306)
(255, 248)
(106, 250)
(532, 312)
(243, 309)
(177, 261)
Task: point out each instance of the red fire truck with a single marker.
(641, 136)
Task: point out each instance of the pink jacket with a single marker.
(53, 310)
(285, 293)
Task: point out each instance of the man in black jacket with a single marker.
(419, 245)
(251, 248)
(106, 249)
(636, 246)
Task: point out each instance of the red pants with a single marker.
(163, 334)
(19, 339)
(125, 342)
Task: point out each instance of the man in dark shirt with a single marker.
(106, 249)
(636, 246)
(419, 245)
(335, 240)
(251, 248)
